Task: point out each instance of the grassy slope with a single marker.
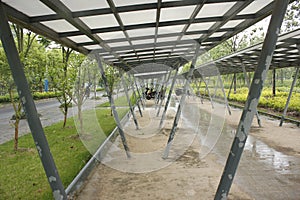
(22, 175)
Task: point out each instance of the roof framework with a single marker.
(129, 33)
(286, 54)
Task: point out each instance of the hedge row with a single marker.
(36, 96)
(267, 100)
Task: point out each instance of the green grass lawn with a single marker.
(22, 175)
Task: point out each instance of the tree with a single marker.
(292, 17)
(82, 84)
(113, 78)
(24, 44)
(62, 76)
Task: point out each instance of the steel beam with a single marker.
(234, 83)
(290, 95)
(248, 85)
(136, 98)
(129, 103)
(228, 96)
(224, 94)
(249, 111)
(140, 96)
(208, 93)
(168, 99)
(181, 104)
(198, 89)
(164, 87)
(274, 82)
(112, 105)
(29, 107)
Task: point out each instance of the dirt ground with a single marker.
(183, 175)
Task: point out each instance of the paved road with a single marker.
(50, 113)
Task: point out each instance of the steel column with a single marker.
(182, 100)
(25, 96)
(228, 96)
(274, 82)
(234, 83)
(208, 93)
(129, 103)
(163, 94)
(168, 99)
(290, 95)
(249, 110)
(136, 98)
(112, 105)
(198, 89)
(140, 96)
(248, 85)
(224, 94)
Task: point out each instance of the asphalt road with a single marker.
(50, 113)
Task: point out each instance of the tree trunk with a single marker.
(16, 139)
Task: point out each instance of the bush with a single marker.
(35, 95)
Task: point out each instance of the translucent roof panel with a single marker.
(176, 13)
(165, 39)
(60, 25)
(80, 5)
(100, 21)
(111, 35)
(232, 23)
(92, 47)
(80, 39)
(135, 17)
(119, 3)
(214, 9)
(170, 29)
(146, 41)
(26, 7)
(255, 6)
(118, 44)
(200, 26)
(141, 32)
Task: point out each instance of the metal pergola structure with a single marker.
(286, 54)
(131, 33)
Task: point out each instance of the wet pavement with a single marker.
(263, 172)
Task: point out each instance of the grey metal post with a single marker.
(234, 83)
(25, 96)
(112, 105)
(228, 96)
(208, 93)
(252, 100)
(216, 88)
(163, 93)
(224, 94)
(140, 96)
(129, 103)
(248, 85)
(274, 82)
(198, 89)
(158, 88)
(290, 95)
(137, 99)
(182, 100)
(168, 99)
